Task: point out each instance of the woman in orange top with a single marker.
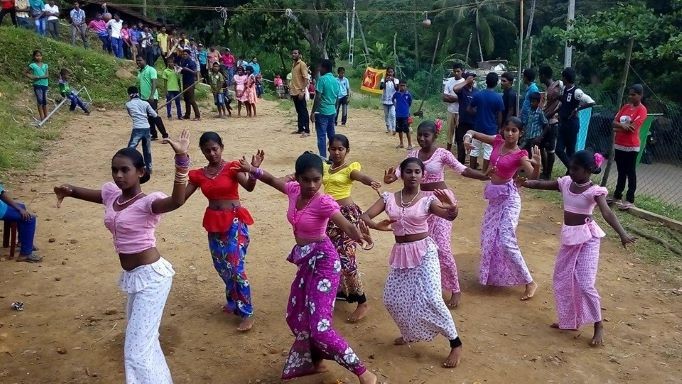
(226, 222)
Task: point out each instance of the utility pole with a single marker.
(519, 80)
(144, 8)
(568, 51)
(352, 36)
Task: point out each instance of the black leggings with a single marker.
(302, 113)
(626, 163)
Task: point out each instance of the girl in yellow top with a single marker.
(338, 180)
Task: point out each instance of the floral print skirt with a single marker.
(310, 312)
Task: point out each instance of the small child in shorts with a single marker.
(402, 100)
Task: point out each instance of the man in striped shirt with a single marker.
(78, 26)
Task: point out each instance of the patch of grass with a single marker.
(654, 205)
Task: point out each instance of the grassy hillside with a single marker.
(21, 142)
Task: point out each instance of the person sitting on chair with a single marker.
(16, 212)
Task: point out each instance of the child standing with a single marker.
(403, 101)
(37, 71)
(344, 96)
(575, 271)
(170, 75)
(388, 86)
(140, 111)
(217, 82)
(65, 91)
(536, 126)
(502, 263)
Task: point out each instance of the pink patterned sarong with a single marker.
(310, 312)
(501, 261)
(440, 230)
(575, 274)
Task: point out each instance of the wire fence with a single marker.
(659, 169)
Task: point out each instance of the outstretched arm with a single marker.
(488, 139)
(548, 185)
(374, 211)
(611, 218)
(177, 197)
(351, 230)
(67, 190)
(364, 179)
(261, 174)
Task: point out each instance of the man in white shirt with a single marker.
(450, 98)
(52, 12)
(114, 26)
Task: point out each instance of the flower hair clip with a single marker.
(439, 125)
(598, 159)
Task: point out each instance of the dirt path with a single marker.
(72, 328)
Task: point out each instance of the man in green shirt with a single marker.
(323, 113)
(172, 88)
(146, 82)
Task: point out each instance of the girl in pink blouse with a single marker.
(575, 270)
(310, 308)
(413, 293)
(132, 216)
(435, 161)
(502, 263)
(240, 90)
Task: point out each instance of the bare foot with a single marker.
(399, 341)
(598, 338)
(530, 291)
(554, 325)
(368, 378)
(453, 358)
(359, 313)
(246, 324)
(454, 300)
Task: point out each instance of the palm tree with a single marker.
(479, 17)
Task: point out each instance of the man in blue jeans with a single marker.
(323, 113)
(15, 212)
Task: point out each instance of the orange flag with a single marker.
(371, 80)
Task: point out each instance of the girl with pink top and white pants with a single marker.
(310, 309)
(132, 217)
(575, 271)
(413, 294)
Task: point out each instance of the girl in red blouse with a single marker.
(226, 222)
(626, 124)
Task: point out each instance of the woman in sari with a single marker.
(311, 301)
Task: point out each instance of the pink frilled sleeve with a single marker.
(448, 159)
(109, 193)
(150, 199)
(596, 190)
(292, 188)
(564, 182)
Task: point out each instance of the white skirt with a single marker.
(414, 299)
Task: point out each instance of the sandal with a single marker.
(32, 258)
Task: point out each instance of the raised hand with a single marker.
(62, 191)
(182, 145)
(535, 160)
(389, 176)
(257, 159)
(626, 239)
(384, 225)
(445, 199)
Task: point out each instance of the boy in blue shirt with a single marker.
(488, 106)
(537, 126)
(344, 95)
(402, 100)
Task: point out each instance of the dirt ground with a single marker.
(71, 330)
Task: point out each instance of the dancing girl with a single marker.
(435, 160)
(311, 301)
(132, 216)
(338, 181)
(502, 263)
(227, 222)
(413, 294)
(575, 270)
